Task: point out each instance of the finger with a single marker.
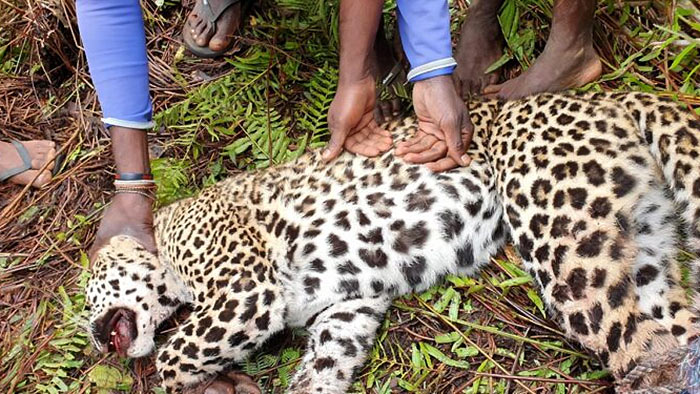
(467, 135)
(379, 134)
(404, 146)
(436, 152)
(453, 138)
(380, 142)
(424, 143)
(367, 142)
(363, 148)
(444, 164)
(335, 144)
(378, 130)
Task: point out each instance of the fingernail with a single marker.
(325, 154)
(466, 159)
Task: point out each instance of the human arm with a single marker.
(114, 39)
(350, 118)
(444, 126)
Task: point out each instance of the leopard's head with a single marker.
(129, 294)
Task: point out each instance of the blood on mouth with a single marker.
(123, 331)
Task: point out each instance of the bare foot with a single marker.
(205, 34)
(556, 69)
(480, 45)
(383, 61)
(40, 152)
(568, 60)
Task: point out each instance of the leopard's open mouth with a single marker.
(117, 330)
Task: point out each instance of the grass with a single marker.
(265, 105)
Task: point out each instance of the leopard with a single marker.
(596, 192)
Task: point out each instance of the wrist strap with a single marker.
(146, 194)
(143, 184)
(132, 176)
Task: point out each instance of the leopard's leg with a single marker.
(568, 231)
(219, 332)
(672, 133)
(656, 270)
(340, 338)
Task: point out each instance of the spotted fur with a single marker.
(587, 187)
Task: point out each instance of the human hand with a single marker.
(128, 214)
(445, 130)
(351, 121)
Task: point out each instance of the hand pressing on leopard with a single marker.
(351, 115)
(352, 124)
(445, 130)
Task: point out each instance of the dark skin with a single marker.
(568, 60)
(442, 115)
(480, 44)
(129, 214)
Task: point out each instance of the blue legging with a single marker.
(115, 45)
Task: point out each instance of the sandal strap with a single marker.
(26, 162)
(214, 12)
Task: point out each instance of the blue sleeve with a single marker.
(115, 45)
(424, 26)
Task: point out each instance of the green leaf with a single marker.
(447, 338)
(535, 298)
(110, 378)
(440, 356)
(514, 282)
(464, 352)
(682, 55)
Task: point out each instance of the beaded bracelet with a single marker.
(139, 192)
(145, 184)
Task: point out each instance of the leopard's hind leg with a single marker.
(566, 207)
(656, 271)
(340, 338)
(673, 136)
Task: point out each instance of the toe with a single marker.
(40, 158)
(386, 110)
(193, 20)
(395, 106)
(202, 34)
(219, 42)
(492, 89)
(43, 179)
